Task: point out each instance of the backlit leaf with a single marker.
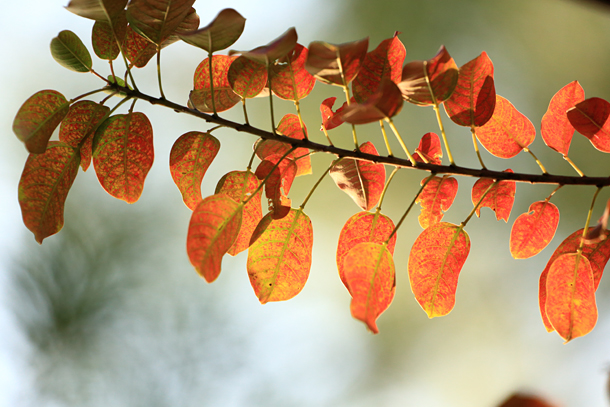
(507, 132)
(590, 118)
(189, 24)
(224, 97)
(247, 78)
(273, 51)
(326, 61)
(555, 129)
(371, 280)
(279, 258)
(473, 101)
(44, 186)
(362, 180)
(157, 19)
(435, 262)
(430, 149)
(500, 198)
(70, 52)
(440, 72)
(386, 102)
(331, 119)
(38, 117)
(600, 231)
(189, 159)
(289, 78)
(436, 198)
(213, 228)
(278, 183)
(138, 49)
(219, 34)
(519, 400)
(104, 37)
(534, 230)
(99, 10)
(123, 154)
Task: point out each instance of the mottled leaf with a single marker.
(138, 49)
(224, 97)
(273, 51)
(499, 199)
(590, 118)
(534, 230)
(70, 52)
(436, 198)
(331, 119)
(555, 129)
(99, 10)
(327, 61)
(157, 19)
(247, 78)
(290, 80)
(429, 150)
(104, 37)
(221, 33)
(386, 102)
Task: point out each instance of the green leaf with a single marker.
(70, 52)
(99, 10)
(157, 19)
(219, 34)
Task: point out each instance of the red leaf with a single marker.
(273, 51)
(278, 184)
(370, 277)
(500, 198)
(44, 186)
(247, 78)
(435, 262)
(507, 132)
(436, 198)
(385, 61)
(138, 49)
(430, 149)
(360, 228)
(440, 72)
(555, 129)
(519, 400)
(104, 37)
(590, 118)
(279, 258)
(189, 159)
(289, 79)
(224, 97)
(221, 33)
(331, 119)
(326, 61)
(385, 102)
(362, 180)
(474, 99)
(123, 154)
(534, 230)
(213, 228)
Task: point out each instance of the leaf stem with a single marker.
(298, 106)
(548, 198)
(251, 160)
(544, 171)
(476, 146)
(270, 97)
(385, 139)
(442, 128)
(159, 71)
(347, 96)
(385, 187)
(212, 83)
(316, 185)
(463, 224)
(565, 157)
(326, 134)
(243, 103)
(586, 229)
(402, 143)
(84, 95)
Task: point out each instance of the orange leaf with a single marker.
(327, 61)
(590, 118)
(189, 159)
(138, 49)
(370, 277)
(500, 198)
(430, 149)
(279, 258)
(555, 129)
(363, 227)
(384, 103)
(570, 303)
(123, 154)
(436, 198)
(507, 132)
(533, 230)
(213, 228)
(290, 80)
(247, 78)
(278, 183)
(224, 97)
(331, 119)
(435, 262)
(44, 186)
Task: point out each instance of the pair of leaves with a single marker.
(336, 64)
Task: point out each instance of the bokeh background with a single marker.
(109, 312)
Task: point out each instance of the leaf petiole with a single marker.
(385, 187)
(586, 229)
(400, 140)
(463, 224)
(537, 160)
(565, 157)
(385, 139)
(159, 73)
(476, 146)
(316, 185)
(212, 80)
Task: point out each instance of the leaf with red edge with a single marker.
(556, 129)
(436, 198)
(326, 61)
(570, 303)
(590, 118)
(279, 258)
(331, 119)
(239, 185)
(386, 102)
(430, 149)
(371, 280)
(385, 61)
(123, 154)
(38, 117)
(158, 19)
(189, 159)
(273, 51)
(78, 127)
(213, 228)
(534, 230)
(290, 80)
(138, 50)
(362, 180)
(499, 199)
(247, 78)
(44, 186)
(360, 228)
(507, 132)
(224, 97)
(104, 37)
(435, 262)
(99, 10)
(221, 33)
(473, 101)
(278, 183)
(440, 72)
(520, 400)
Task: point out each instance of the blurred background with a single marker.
(109, 312)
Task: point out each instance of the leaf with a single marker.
(519, 400)
(70, 52)
(429, 150)
(362, 180)
(570, 303)
(331, 119)
(123, 154)
(247, 78)
(436, 198)
(290, 80)
(138, 49)
(385, 61)
(533, 230)
(224, 97)
(221, 33)
(213, 228)
(189, 159)
(157, 19)
(38, 117)
(79, 125)
(435, 262)
(590, 118)
(273, 51)
(555, 129)
(386, 102)
(239, 185)
(99, 10)
(442, 74)
(278, 183)
(507, 132)
(363, 227)
(499, 199)
(44, 186)
(279, 258)
(473, 101)
(370, 276)
(326, 61)
(104, 37)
